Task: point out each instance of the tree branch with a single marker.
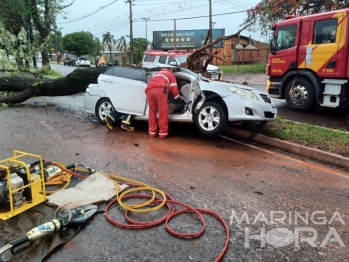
(18, 97)
(220, 39)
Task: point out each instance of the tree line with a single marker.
(29, 27)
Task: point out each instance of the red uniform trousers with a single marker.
(158, 101)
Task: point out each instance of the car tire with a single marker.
(300, 94)
(211, 119)
(104, 107)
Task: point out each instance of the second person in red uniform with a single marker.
(157, 90)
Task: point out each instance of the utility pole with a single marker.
(131, 33)
(146, 32)
(210, 2)
(175, 35)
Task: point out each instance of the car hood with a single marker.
(221, 88)
(212, 67)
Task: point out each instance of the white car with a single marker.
(83, 61)
(209, 104)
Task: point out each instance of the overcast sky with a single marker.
(98, 17)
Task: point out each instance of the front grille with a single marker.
(269, 114)
(266, 98)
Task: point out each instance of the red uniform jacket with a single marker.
(164, 78)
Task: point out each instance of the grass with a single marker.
(242, 69)
(330, 140)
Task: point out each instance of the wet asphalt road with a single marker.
(222, 175)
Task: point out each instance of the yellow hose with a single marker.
(143, 186)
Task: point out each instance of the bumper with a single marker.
(244, 109)
(274, 89)
(90, 102)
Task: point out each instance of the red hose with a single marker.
(170, 214)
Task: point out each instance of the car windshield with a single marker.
(83, 58)
(187, 71)
(182, 59)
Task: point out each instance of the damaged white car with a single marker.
(209, 104)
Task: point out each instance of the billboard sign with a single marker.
(185, 39)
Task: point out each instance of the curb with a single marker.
(248, 83)
(313, 153)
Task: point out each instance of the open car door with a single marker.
(195, 89)
(125, 89)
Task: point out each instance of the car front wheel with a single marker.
(104, 107)
(211, 119)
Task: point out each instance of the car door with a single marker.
(195, 89)
(125, 89)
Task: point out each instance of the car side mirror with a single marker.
(173, 64)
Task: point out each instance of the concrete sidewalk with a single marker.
(326, 157)
(249, 79)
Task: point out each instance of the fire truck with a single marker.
(309, 61)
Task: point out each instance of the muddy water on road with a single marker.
(205, 172)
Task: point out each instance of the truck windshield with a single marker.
(286, 37)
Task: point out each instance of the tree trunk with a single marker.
(25, 88)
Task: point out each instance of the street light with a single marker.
(146, 31)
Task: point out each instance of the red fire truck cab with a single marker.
(309, 60)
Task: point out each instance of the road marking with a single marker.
(283, 156)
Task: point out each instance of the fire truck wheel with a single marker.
(300, 94)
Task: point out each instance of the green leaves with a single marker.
(19, 48)
(139, 46)
(267, 12)
(79, 43)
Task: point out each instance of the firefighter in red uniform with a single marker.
(157, 90)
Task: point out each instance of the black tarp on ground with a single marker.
(19, 226)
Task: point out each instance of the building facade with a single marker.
(242, 50)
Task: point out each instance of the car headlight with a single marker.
(243, 92)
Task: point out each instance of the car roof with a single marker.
(169, 52)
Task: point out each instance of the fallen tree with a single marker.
(19, 89)
(195, 62)
(23, 88)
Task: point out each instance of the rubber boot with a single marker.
(109, 120)
(127, 127)
(126, 123)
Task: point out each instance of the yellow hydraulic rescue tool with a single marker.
(21, 187)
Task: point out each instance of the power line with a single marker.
(171, 19)
(153, 11)
(124, 23)
(193, 17)
(85, 16)
(113, 29)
